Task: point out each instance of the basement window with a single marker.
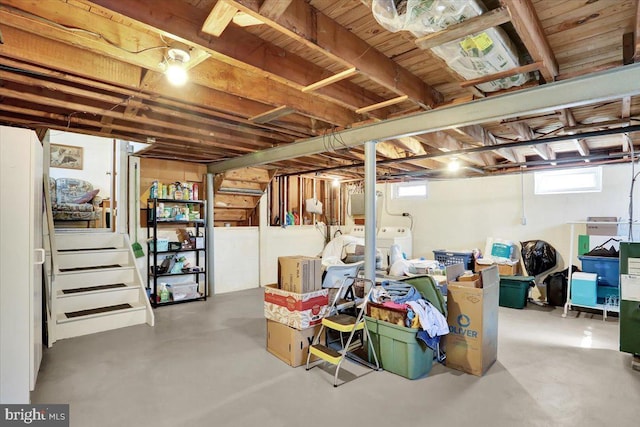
(409, 190)
(583, 180)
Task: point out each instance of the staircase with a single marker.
(237, 193)
(96, 285)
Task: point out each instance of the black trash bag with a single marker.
(600, 250)
(538, 256)
(556, 284)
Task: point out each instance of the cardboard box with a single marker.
(290, 345)
(300, 311)
(299, 274)
(472, 342)
(602, 229)
(503, 269)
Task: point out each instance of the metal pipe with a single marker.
(589, 89)
(209, 237)
(370, 212)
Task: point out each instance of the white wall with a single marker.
(461, 214)
(97, 160)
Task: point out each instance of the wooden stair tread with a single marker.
(109, 308)
(94, 288)
(88, 249)
(92, 267)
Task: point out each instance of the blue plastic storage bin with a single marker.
(607, 269)
(450, 257)
(584, 289)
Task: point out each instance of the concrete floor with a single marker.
(205, 364)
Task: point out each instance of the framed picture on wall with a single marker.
(65, 156)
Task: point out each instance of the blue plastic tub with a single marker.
(607, 269)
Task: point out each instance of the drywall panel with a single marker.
(462, 213)
(237, 258)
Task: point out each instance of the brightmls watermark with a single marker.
(55, 415)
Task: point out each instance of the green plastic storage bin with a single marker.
(398, 349)
(514, 291)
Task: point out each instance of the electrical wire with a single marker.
(83, 31)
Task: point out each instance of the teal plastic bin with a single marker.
(398, 349)
(514, 291)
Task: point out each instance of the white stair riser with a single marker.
(76, 302)
(88, 240)
(109, 321)
(88, 259)
(93, 278)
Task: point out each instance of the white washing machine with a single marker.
(387, 236)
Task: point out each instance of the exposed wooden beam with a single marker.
(628, 48)
(235, 46)
(301, 22)
(453, 32)
(273, 114)
(502, 74)
(331, 79)
(485, 137)
(273, 9)
(383, 104)
(569, 123)
(243, 20)
(636, 33)
(211, 103)
(220, 16)
(525, 133)
(526, 22)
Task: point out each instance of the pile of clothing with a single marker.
(420, 313)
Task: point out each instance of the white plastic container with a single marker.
(183, 291)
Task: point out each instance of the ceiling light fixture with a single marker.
(453, 166)
(176, 70)
(336, 182)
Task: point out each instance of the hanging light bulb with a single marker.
(336, 182)
(176, 71)
(453, 166)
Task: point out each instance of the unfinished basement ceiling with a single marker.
(263, 74)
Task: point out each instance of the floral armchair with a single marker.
(74, 200)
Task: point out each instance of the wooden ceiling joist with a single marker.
(271, 115)
(220, 16)
(527, 25)
(474, 25)
(300, 22)
(237, 47)
(331, 80)
(503, 74)
(382, 104)
(273, 9)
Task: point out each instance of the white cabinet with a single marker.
(21, 256)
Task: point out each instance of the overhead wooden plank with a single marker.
(526, 22)
(485, 137)
(248, 175)
(273, 114)
(493, 18)
(636, 33)
(220, 16)
(236, 46)
(502, 74)
(301, 22)
(236, 201)
(383, 104)
(331, 80)
(244, 20)
(273, 9)
(18, 44)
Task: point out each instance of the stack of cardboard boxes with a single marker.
(294, 308)
(472, 304)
